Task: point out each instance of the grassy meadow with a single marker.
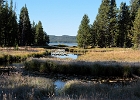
(121, 63)
(111, 54)
(114, 68)
(10, 54)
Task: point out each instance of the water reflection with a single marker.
(72, 56)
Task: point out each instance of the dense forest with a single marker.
(113, 27)
(62, 39)
(20, 32)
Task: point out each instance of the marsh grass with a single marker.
(78, 90)
(12, 55)
(18, 87)
(75, 67)
(111, 54)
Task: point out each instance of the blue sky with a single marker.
(61, 17)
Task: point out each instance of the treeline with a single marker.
(62, 39)
(20, 32)
(113, 27)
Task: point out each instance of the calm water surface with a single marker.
(72, 56)
(68, 44)
(59, 84)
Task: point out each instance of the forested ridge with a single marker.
(113, 27)
(62, 39)
(20, 32)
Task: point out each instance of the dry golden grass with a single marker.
(19, 87)
(21, 52)
(111, 54)
(78, 90)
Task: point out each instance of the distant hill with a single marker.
(62, 39)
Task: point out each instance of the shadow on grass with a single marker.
(72, 67)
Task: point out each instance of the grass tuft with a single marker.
(25, 87)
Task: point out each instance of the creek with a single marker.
(60, 80)
(71, 56)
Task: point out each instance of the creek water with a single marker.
(69, 55)
(59, 80)
(72, 56)
(59, 84)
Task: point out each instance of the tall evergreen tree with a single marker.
(124, 26)
(1, 9)
(41, 37)
(25, 28)
(94, 31)
(134, 6)
(102, 21)
(13, 33)
(4, 28)
(46, 39)
(136, 30)
(8, 24)
(84, 34)
(12, 26)
(33, 32)
(113, 25)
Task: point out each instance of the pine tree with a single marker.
(4, 22)
(124, 26)
(33, 32)
(12, 26)
(94, 30)
(134, 6)
(113, 25)
(136, 30)
(8, 24)
(46, 39)
(1, 9)
(102, 22)
(41, 37)
(84, 34)
(13, 33)
(25, 28)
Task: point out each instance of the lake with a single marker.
(68, 44)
